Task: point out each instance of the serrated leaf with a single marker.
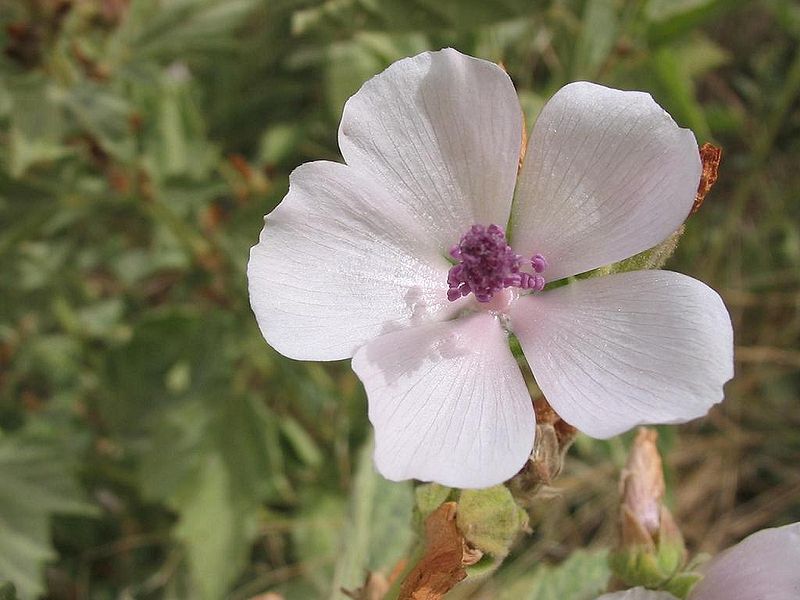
(37, 482)
(378, 530)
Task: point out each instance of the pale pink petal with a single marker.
(613, 352)
(441, 131)
(337, 265)
(448, 403)
(765, 566)
(607, 174)
(638, 593)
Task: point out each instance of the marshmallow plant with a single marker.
(430, 246)
(764, 566)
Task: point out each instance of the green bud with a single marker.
(671, 550)
(651, 551)
(490, 519)
(680, 585)
(637, 567)
(429, 497)
(484, 567)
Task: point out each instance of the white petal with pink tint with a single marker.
(765, 566)
(638, 593)
(441, 131)
(607, 174)
(448, 403)
(338, 264)
(613, 352)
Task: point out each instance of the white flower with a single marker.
(765, 566)
(354, 263)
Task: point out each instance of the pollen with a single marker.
(487, 265)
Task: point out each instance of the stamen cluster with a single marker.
(487, 264)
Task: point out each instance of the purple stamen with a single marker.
(539, 263)
(487, 264)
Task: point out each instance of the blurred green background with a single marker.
(153, 446)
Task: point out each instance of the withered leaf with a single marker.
(710, 155)
(442, 565)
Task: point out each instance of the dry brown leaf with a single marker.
(711, 156)
(442, 565)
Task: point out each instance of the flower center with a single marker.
(487, 265)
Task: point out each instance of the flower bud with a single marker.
(490, 519)
(651, 548)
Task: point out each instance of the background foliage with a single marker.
(153, 446)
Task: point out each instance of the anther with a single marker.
(487, 264)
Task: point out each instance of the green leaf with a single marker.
(8, 591)
(37, 482)
(316, 536)
(341, 17)
(215, 481)
(36, 125)
(700, 55)
(301, 442)
(675, 79)
(181, 27)
(105, 116)
(349, 65)
(670, 19)
(596, 40)
(178, 145)
(217, 525)
(583, 576)
(140, 374)
(378, 531)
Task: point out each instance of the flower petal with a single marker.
(448, 403)
(765, 566)
(337, 265)
(613, 352)
(441, 131)
(607, 174)
(638, 593)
